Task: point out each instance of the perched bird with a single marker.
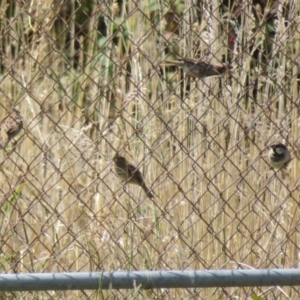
(279, 156)
(198, 68)
(129, 173)
(10, 127)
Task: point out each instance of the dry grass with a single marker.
(218, 204)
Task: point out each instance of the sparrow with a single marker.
(198, 68)
(10, 127)
(130, 174)
(279, 156)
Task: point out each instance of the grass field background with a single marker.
(88, 82)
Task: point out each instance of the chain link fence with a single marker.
(90, 80)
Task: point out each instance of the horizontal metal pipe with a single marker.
(148, 279)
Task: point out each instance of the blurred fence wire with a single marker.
(150, 135)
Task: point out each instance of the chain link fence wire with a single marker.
(91, 82)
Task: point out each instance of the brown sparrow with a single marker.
(10, 127)
(279, 156)
(130, 174)
(198, 68)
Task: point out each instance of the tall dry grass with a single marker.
(201, 145)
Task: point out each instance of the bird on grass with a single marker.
(130, 174)
(279, 156)
(10, 127)
(198, 68)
